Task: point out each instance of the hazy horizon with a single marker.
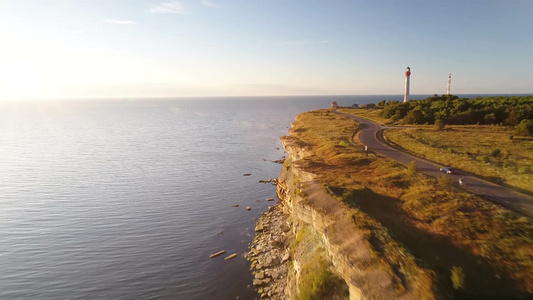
(146, 48)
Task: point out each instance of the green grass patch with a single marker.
(318, 282)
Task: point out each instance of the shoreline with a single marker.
(269, 253)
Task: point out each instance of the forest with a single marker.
(516, 111)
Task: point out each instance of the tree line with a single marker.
(449, 109)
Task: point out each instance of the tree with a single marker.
(414, 116)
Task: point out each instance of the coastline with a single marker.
(269, 253)
(348, 225)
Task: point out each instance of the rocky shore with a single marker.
(269, 253)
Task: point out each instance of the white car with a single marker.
(448, 170)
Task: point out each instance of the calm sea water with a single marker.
(126, 199)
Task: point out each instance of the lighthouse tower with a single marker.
(407, 77)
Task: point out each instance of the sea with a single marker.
(127, 198)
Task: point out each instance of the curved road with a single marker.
(372, 136)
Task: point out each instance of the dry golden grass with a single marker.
(371, 114)
(487, 151)
(413, 220)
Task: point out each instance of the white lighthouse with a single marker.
(407, 77)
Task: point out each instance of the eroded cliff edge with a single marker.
(328, 254)
(346, 248)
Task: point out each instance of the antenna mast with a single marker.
(448, 88)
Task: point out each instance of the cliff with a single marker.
(346, 247)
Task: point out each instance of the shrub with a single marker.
(524, 170)
(318, 282)
(495, 152)
(412, 170)
(444, 181)
(439, 125)
(525, 127)
(458, 277)
(344, 143)
(483, 158)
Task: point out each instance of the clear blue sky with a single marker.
(140, 48)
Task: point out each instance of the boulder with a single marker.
(258, 282)
(260, 275)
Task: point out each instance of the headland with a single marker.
(354, 224)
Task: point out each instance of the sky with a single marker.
(153, 48)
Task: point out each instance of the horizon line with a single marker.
(244, 96)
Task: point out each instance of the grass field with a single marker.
(487, 151)
(491, 152)
(371, 114)
(423, 228)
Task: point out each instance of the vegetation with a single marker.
(372, 114)
(513, 111)
(502, 154)
(412, 170)
(455, 111)
(414, 221)
(458, 277)
(486, 151)
(317, 282)
(444, 182)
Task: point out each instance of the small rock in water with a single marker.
(235, 205)
(217, 253)
(248, 208)
(247, 174)
(230, 256)
(257, 200)
(270, 199)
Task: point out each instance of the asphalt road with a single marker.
(371, 135)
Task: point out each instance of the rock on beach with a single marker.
(267, 253)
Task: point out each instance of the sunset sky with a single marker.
(143, 48)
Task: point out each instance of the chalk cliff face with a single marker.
(348, 250)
